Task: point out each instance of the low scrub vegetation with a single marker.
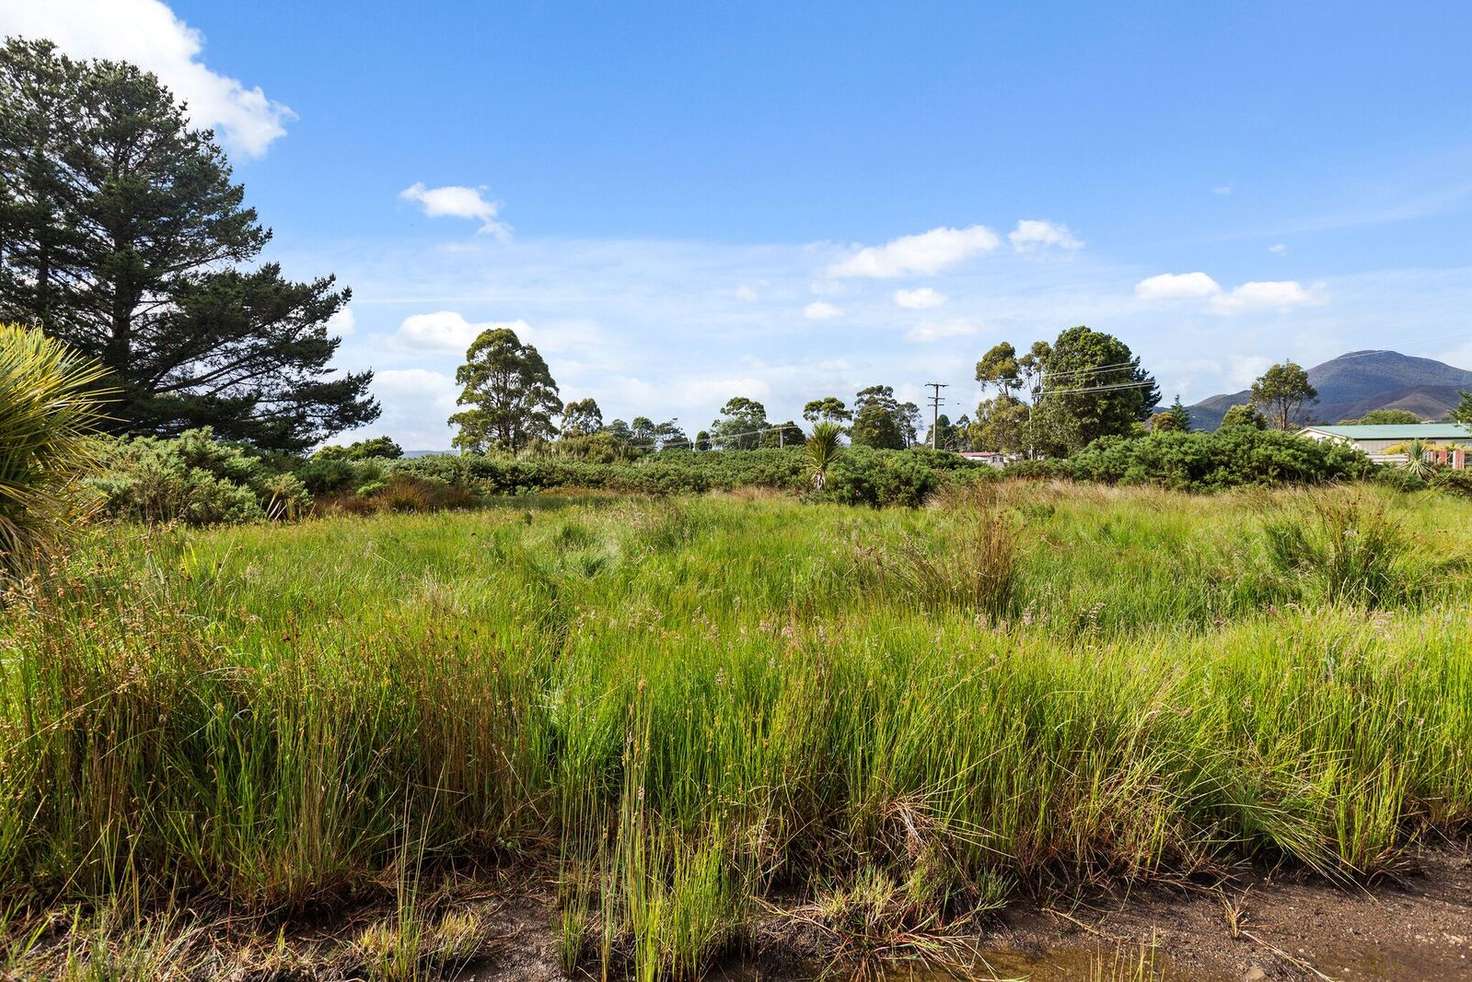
(895, 721)
(1232, 457)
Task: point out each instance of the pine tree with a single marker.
(121, 233)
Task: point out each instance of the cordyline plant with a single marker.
(823, 449)
(49, 407)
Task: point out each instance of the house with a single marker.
(1375, 440)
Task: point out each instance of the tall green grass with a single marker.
(899, 719)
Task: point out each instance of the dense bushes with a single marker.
(1208, 461)
(194, 479)
(860, 475)
(200, 481)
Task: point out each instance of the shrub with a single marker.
(194, 479)
(48, 407)
(1452, 482)
(1227, 458)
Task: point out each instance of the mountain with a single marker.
(1353, 384)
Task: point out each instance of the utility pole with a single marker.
(935, 401)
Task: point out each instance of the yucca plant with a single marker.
(823, 448)
(49, 406)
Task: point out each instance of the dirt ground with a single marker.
(1417, 927)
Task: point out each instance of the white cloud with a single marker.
(1257, 295)
(924, 254)
(448, 330)
(746, 294)
(342, 323)
(1032, 234)
(1177, 286)
(821, 310)
(1222, 190)
(940, 330)
(1277, 248)
(457, 201)
(1254, 295)
(922, 299)
(148, 34)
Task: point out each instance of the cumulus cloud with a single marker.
(1177, 286)
(821, 310)
(924, 254)
(921, 299)
(1254, 295)
(448, 330)
(1277, 248)
(457, 201)
(1032, 234)
(941, 330)
(342, 323)
(148, 34)
(1257, 295)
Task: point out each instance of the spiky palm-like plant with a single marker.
(49, 407)
(823, 448)
(1416, 459)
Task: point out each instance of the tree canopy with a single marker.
(1463, 412)
(1384, 417)
(829, 409)
(1282, 391)
(510, 392)
(122, 234)
(1059, 397)
(738, 426)
(581, 417)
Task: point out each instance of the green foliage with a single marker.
(694, 711)
(1349, 549)
(1282, 391)
(510, 392)
(1463, 412)
(379, 447)
(1083, 386)
(787, 434)
(581, 417)
(1245, 414)
(125, 238)
(1001, 424)
(829, 409)
(49, 408)
(196, 480)
(1092, 387)
(822, 449)
(739, 424)
(1230, 457)
(1384, 417)
(879, 419)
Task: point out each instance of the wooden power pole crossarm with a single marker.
(935, 401)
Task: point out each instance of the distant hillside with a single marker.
(1353, 384)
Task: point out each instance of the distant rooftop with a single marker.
(1397, 431)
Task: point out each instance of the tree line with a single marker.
(124, 235)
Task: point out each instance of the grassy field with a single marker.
(689, 710)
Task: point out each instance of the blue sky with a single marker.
(683, 202)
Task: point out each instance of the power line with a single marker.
(1101, 388)
(1087, 371)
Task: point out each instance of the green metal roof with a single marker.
(1398, 431)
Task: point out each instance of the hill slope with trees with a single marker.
(1360, 381)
